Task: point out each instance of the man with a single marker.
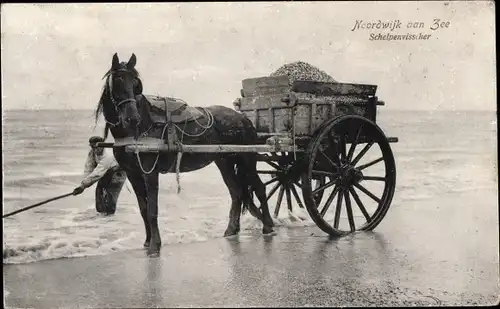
(101, 166)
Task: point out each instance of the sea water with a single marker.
(44, 152)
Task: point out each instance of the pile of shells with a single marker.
(300, 70)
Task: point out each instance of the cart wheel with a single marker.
(284, 177)
(371, 171)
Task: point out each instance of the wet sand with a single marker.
(441, 255)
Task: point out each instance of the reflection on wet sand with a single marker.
(352, 270)
(151, 292)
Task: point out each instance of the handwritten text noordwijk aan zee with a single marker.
(388, 27)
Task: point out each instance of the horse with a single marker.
(128, 114)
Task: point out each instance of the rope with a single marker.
(178, 167)
(210, 123)
(36, 205)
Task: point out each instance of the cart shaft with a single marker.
(162, 147)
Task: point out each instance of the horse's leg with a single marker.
(139, 186)
(229, 176)
(152, 212)
(260, 191)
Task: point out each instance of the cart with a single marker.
(320, 139)
(327, 145)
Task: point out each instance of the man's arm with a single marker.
(102, 167)
(90, 164)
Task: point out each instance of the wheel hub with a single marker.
(287, 174)
(350, 175)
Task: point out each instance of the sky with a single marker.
(53, 56)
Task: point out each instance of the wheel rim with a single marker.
(341, 150)
(282, 178)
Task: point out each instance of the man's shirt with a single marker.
(96, 166)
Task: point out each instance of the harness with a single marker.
(170, 127)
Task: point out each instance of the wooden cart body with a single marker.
(277, 107)
(273, 105)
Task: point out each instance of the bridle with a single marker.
(116, 105)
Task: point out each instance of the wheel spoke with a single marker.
(349, 211)
(270, 181)
(374, 178)
(296, 195)
(362, 167)
(324, 187)
(323, 173)
(365, 191)
(342, 148)
(362, 153)
(360, 204)
(278, 202)
(331, 140)
(296, 182)
(334, 148)
(273, 190)
(288, 197)
(267, 172)
(354, 144)
(274, 165)
(338, 210)
(329, 160)
(329, 201)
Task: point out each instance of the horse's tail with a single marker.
(247, 170)
(245, 188)
(242, 172)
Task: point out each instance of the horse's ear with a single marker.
(116, 62)
(132, 61)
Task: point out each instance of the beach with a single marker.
(437, 244)
(413, 258)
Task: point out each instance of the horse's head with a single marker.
(123, 85)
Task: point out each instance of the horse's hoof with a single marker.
(154, 249)
(303, 218)
(153, 253)
(268, 231)
(231, 232)
(146, 244)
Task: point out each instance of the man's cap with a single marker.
(96, 139)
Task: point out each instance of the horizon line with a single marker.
(378, 109)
